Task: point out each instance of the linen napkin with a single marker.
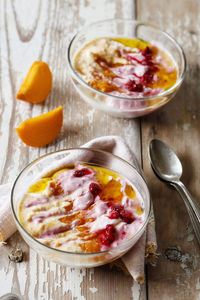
(133, 261)
(7, 224)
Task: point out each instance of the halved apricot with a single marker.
(37, 84)
(42, 130)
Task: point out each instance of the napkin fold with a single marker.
(133, 261)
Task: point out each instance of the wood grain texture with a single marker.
(41, 30)
(177, 124)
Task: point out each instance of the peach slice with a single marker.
(37, 84)
(42, 130)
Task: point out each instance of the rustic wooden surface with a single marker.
(41, 30)
(178, 125)
(33, 30)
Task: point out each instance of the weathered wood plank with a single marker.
(41, 30)
(178, 125)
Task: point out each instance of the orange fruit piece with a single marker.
(92, 245)
(42, 130)
(37, 84)
(130, 191)
(112, 191)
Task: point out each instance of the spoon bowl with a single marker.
(164, 161)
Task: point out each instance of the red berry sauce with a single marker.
(120, 212)
(147, 77)
(107, 235)
(94, 189)
(82, 172)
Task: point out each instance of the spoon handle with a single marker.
(192, 207)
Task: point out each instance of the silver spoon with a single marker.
(167, 167)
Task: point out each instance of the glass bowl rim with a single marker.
(162, 94)
(142, 228)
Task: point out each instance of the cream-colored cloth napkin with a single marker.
(134, 260)
(7, 224)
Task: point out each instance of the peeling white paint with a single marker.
(186, 126)
(91, 274)
(93, 290)
(74, 278)
(136, 290)
(7, 274)
(22, 275)
(198, 284)
(186, 264)
(33, 279)
(195, 262)
(42, 279)
(179, 282)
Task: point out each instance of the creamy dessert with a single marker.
(126, 67)
(82, 209)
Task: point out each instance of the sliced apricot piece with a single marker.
(92, 245)
(112, 190)
(37, 84)
(130, 191)
(42, 130)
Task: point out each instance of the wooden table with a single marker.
(41, 30)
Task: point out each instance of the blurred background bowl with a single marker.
(125, 107)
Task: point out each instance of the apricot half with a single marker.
(42, 130)
(37, 84)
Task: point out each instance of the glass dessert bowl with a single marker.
(80, 207)
(124, 67)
